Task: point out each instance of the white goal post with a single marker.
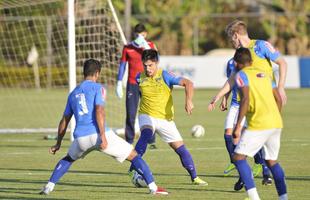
(33, 94)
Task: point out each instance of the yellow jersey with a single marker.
(156, 98)
(263, 112)
(263, 53)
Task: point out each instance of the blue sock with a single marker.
(141, 145)
(187, 161)
(245, 173)
(142, 168)
(61, 168)
(229, 145)
(258, 159)
(279, 178)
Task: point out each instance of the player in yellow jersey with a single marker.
(156, 110)
(263, 53)
(260, 103)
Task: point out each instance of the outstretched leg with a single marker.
(187, 161)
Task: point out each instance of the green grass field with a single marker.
(25, 164)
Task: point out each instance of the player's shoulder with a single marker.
(231, 63)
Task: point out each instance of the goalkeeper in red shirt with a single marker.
(132, 53)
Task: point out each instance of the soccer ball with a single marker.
(198, 131)
(138, 180)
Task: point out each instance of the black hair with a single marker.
(149, 54)
(243, 56)
(139, 28)
(90, 67)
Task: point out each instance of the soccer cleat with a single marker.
(238, 185)
(267, 180)
(48, 188)
(229, 169)
(199, 181)
(257, 169)
(160, 191)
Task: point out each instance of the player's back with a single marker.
(82, 102)
(263, 112)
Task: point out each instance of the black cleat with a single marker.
(238, 185)
(267, 180)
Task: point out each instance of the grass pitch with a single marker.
(25, 164)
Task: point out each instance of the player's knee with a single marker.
(68, 158)
(237, 157)
(132, 155)
(271, 163)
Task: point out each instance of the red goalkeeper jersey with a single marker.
(132, 54)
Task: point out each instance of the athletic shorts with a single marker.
(252, 141)
(167, 130)
(232, 117)
(117, 147)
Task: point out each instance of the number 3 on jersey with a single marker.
(82, 104)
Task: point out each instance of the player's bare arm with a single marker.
(100, 121)
(223, 105)
(225, 89)
(277, 98)
(282, 77)
(244, 104)
(62, 127)
(189, 93)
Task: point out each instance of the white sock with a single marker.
(283, 197)
(50, 185)
(253, 195)
(152, 186)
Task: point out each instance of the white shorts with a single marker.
(167, 130)
(117, 147)
(232, 117)
(252, 141)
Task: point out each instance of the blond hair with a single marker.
(236, 26)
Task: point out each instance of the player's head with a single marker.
(150, 61)
(242, 58)
(91, 67)
(140, 29)
(235, 31)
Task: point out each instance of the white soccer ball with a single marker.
(138, 180)
(198, 131)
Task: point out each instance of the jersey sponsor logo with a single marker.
(260, 75)
(270, 47)
(239, 81)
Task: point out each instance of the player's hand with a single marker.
(237, 132)
(104, 144)
(119, 89)
(223, 105)
(282, 95)
(54, 148)
(212, 104)
(189, 106)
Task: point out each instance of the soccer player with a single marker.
(230, 143)
(156, 110)
(262, 54)
(261, 104)
(86, 102)
(132, 54)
